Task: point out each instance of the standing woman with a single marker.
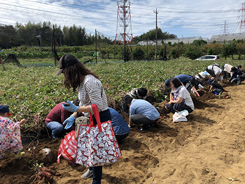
(90, 91)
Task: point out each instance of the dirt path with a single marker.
(207, 149)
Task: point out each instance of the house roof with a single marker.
(227, 38)
(186, 40)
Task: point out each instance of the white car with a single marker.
(208, 58)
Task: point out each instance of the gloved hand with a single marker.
(69, 122)
(70, 107)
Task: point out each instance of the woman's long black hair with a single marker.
(176, 82)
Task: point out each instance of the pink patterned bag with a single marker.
(97, 144)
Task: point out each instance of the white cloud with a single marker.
(187, 18)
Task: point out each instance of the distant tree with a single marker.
(169, 43)
(26, 34)
(225, 50)
(151, 35)
(233, 48)
(240, 47)
(175, 44)
(199, 42)
(8, 37)
(193, 52)
(138, 53)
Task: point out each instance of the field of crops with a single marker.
(35, 90)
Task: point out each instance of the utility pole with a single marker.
(147, 47)
(54, 50)
(96, 43)
(60, 42)
(156, 12)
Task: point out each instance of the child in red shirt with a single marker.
(54, 120)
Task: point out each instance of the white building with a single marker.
(186, 40)
(227, 38)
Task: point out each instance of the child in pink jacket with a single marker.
(10, 133)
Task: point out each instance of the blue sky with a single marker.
(184, 18)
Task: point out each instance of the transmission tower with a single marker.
(225, 28)
(242, 22)
(124, 34)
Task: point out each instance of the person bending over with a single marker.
(119, 125)
(180, 98)
(135, 93)
(55, 119)
(237, 75)
(215, 87)
(227, 70)
(141, 113)
(215, 71)
(188, 81)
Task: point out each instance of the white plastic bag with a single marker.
(180, 116)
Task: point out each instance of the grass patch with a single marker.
(36, 90)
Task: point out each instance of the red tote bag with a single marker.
(97, 144)
(68, 148)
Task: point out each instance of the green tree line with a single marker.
(151, 35)
(36, 34)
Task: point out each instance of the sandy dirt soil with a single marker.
(208, 149)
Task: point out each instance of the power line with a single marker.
(71, 17)
(97, 20)
(170, 10)
(166, 9)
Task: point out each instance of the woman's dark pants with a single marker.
(178, 108)
(97, 171)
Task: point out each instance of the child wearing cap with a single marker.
(10, 133)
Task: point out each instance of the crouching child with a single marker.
(10, 137)
(141, 112)
(180, 98)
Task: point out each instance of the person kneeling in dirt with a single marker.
(180, 98)
(215, 87)
(10, 137)
(215, 71)
(188, 81)
(119, 125)
(56, 117)
(237, 75)
(141, 113)
(135, 93)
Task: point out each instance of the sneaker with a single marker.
(19, 154)
(88, 174)
(239, 82)
(146, 127)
